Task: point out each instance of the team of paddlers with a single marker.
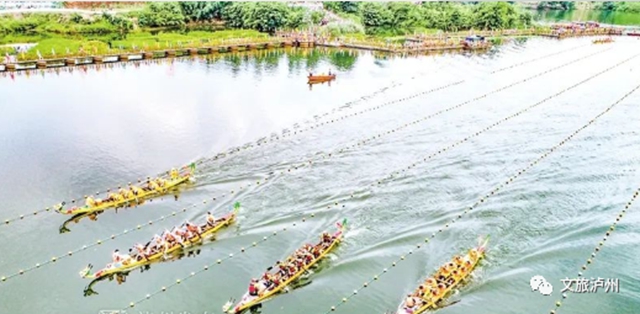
(603, 40)
(178, 236)
(291, 266)
(157, 184)
(434, 288)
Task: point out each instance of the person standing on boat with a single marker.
(253, 290)
(116, 256)
(211, 220)
(409, 304)
(90, 202)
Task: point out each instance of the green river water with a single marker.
(66, 134)
(606, 17)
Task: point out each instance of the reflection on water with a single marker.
(605, 17)
(264, 61)
(93, 216)
(122, 276)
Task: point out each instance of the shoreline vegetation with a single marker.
(172, 25)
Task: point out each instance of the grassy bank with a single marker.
(53, 45)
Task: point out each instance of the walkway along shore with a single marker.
(278, 42)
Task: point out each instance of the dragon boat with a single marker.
(436, 288)
(603, 40)
(294, 266)
(134, 261)
(134, 195)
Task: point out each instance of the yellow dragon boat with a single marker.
(273, 285)
(435, 289)
(135, 195)
(131, 264)
(603, 40)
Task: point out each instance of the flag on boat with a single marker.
(192, 166)
(343, 224)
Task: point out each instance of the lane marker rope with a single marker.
(484, 198)
(241, 148)
(340, 202)
(232, 192)
(539, 58)
(600, 244)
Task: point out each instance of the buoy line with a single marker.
(310, 162)
(230, 193)
(508, 118)
(392, 102)
(96, 243)
(231, 151)
(600, 244)
(538, 58)
(261, 142)
(484, 198)
(341, 204)
(207, 266)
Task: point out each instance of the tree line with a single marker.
(404, 17)
(376, 17)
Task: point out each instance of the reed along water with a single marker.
(66, 134)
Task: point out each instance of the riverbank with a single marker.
(424, 43)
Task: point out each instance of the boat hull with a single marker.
(321, 78)
(432, 304)
(223, 222)
(249, 301)
(171, 184)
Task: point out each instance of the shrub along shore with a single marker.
(166, 25)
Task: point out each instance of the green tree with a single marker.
(203, 11)
(525, 19)
(557, 5)
(495, 15)
(375, 14)
(295, 19)
(349, 6)
(262, 16)
(165, 14)
(235, 14)
(316, 17)
(403, 14)
(342, 6)
(268, 16)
